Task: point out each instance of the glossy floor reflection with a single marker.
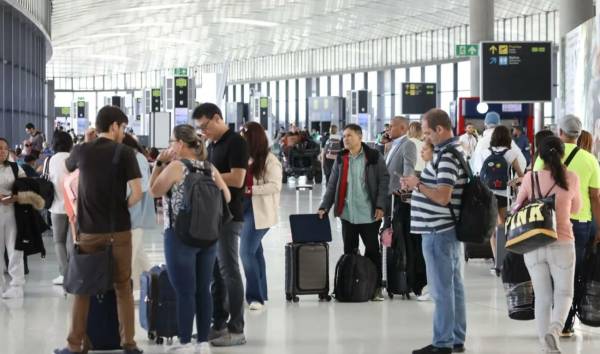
(39, 323)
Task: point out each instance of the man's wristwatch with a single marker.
(159, 163)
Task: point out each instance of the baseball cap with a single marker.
(570, 125)
(492, 118)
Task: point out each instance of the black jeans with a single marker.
(583, 235)
(369, 233)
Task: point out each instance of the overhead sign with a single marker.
(418, 98)
(467, 50)
(516, 71)
(180, 72)
(81, 109)
(62, 111)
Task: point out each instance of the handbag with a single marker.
(533, 225)
(92, 273)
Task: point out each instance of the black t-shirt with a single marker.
(231, 151)
(102, 190)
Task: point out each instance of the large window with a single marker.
(415, 74)
(372, 83)
(347, 83)
(335, 86)
(292, 100)
(282, 101)
(431, 73)
(323, 86)
(400, 77)
(302, 101)
(359, 81)
(447, 86)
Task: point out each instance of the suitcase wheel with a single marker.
(170, 341)
(288, 297)
(160, 340)
(296, 299)
(151, 336)
(324, 297)
(390, 295)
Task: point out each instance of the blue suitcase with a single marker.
(158, 313)
(103, 323)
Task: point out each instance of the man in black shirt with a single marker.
(105, 169)
(228, 152)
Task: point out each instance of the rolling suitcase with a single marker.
(158, 313)
(306, 270)
(396, 258)
(103, 323)
(478, 250)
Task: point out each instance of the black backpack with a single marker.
(495, 171)
(478, 206)
(355, 279)
(46, 185)
(520, 299)
(203, 211)
(588, 303)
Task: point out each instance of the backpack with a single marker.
(333, 146)
(495, 171)
(478, 205)
(203, 211)
(46, 185)
(355, 278)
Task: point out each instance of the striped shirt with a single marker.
(426, 215)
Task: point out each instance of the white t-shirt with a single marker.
(510, 156)
(7, 179)
(56, 172)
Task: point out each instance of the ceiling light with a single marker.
(482, 107)
(244, 21)
(152, 7)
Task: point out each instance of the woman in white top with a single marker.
(415, 134)
(8, 227)
(501, 143)
(62, 143)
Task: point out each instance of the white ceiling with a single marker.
(93, 37)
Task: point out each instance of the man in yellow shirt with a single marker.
(587, 169)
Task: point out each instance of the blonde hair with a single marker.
(188, 136)
(415, 131)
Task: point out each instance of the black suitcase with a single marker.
(158, 305)
(103, 323)
(478, 250)
(397, 256)
(306, 270)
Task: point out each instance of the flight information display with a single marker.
(418, 98)
(516, 71)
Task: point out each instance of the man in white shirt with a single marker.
(469, 140)
(492, 120)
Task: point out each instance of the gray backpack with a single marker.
(203, 210)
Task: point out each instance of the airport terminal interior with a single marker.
(302, 70)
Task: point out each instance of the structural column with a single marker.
(572, 13)
(481, 19)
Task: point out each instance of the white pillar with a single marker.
(481, 19)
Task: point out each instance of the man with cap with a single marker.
(586, 167)
(522, 142)
(492, 120)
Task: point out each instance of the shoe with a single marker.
(567, 332)
(431, 349)
(14, 292)
(58, 280)
(187, 348)
(216, 333)
(203, 348)
(133, 351)
(458, 348)
(378, 295)
(229, 340)
(136, 296)
(64, 351)
(256, 306)
(424, 297)
(552, 342)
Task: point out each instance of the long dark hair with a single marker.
(5, 162)
(552, 150)
(258, 146)
(130, 141)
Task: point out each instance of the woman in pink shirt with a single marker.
(554, 263)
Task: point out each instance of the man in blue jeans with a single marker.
(441, 184)
(228, 152)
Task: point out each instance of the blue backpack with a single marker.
(494, 171)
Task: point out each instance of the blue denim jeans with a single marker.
(442, 253)
(191, 272)
(253, 259)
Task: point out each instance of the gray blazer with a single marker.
(401, 162)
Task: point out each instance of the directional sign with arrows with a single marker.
(467, 50)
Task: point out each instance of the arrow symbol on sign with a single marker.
(493, 49)
(472, 50)
(493, 60)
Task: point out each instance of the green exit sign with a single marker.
(467, 50)
(180, 72)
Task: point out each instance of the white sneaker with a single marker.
(203, 348)
(58, 280)
(256, 306)
(14, 292)
(187, 348)
(424, 297)
(136, 296)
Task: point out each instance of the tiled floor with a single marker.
(39, 323)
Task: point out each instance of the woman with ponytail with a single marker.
(552, 267)
(190, 268)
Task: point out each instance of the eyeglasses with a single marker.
(203, 126)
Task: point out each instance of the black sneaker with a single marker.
(458, 348)
(432, 349)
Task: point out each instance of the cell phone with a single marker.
(7, 197)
